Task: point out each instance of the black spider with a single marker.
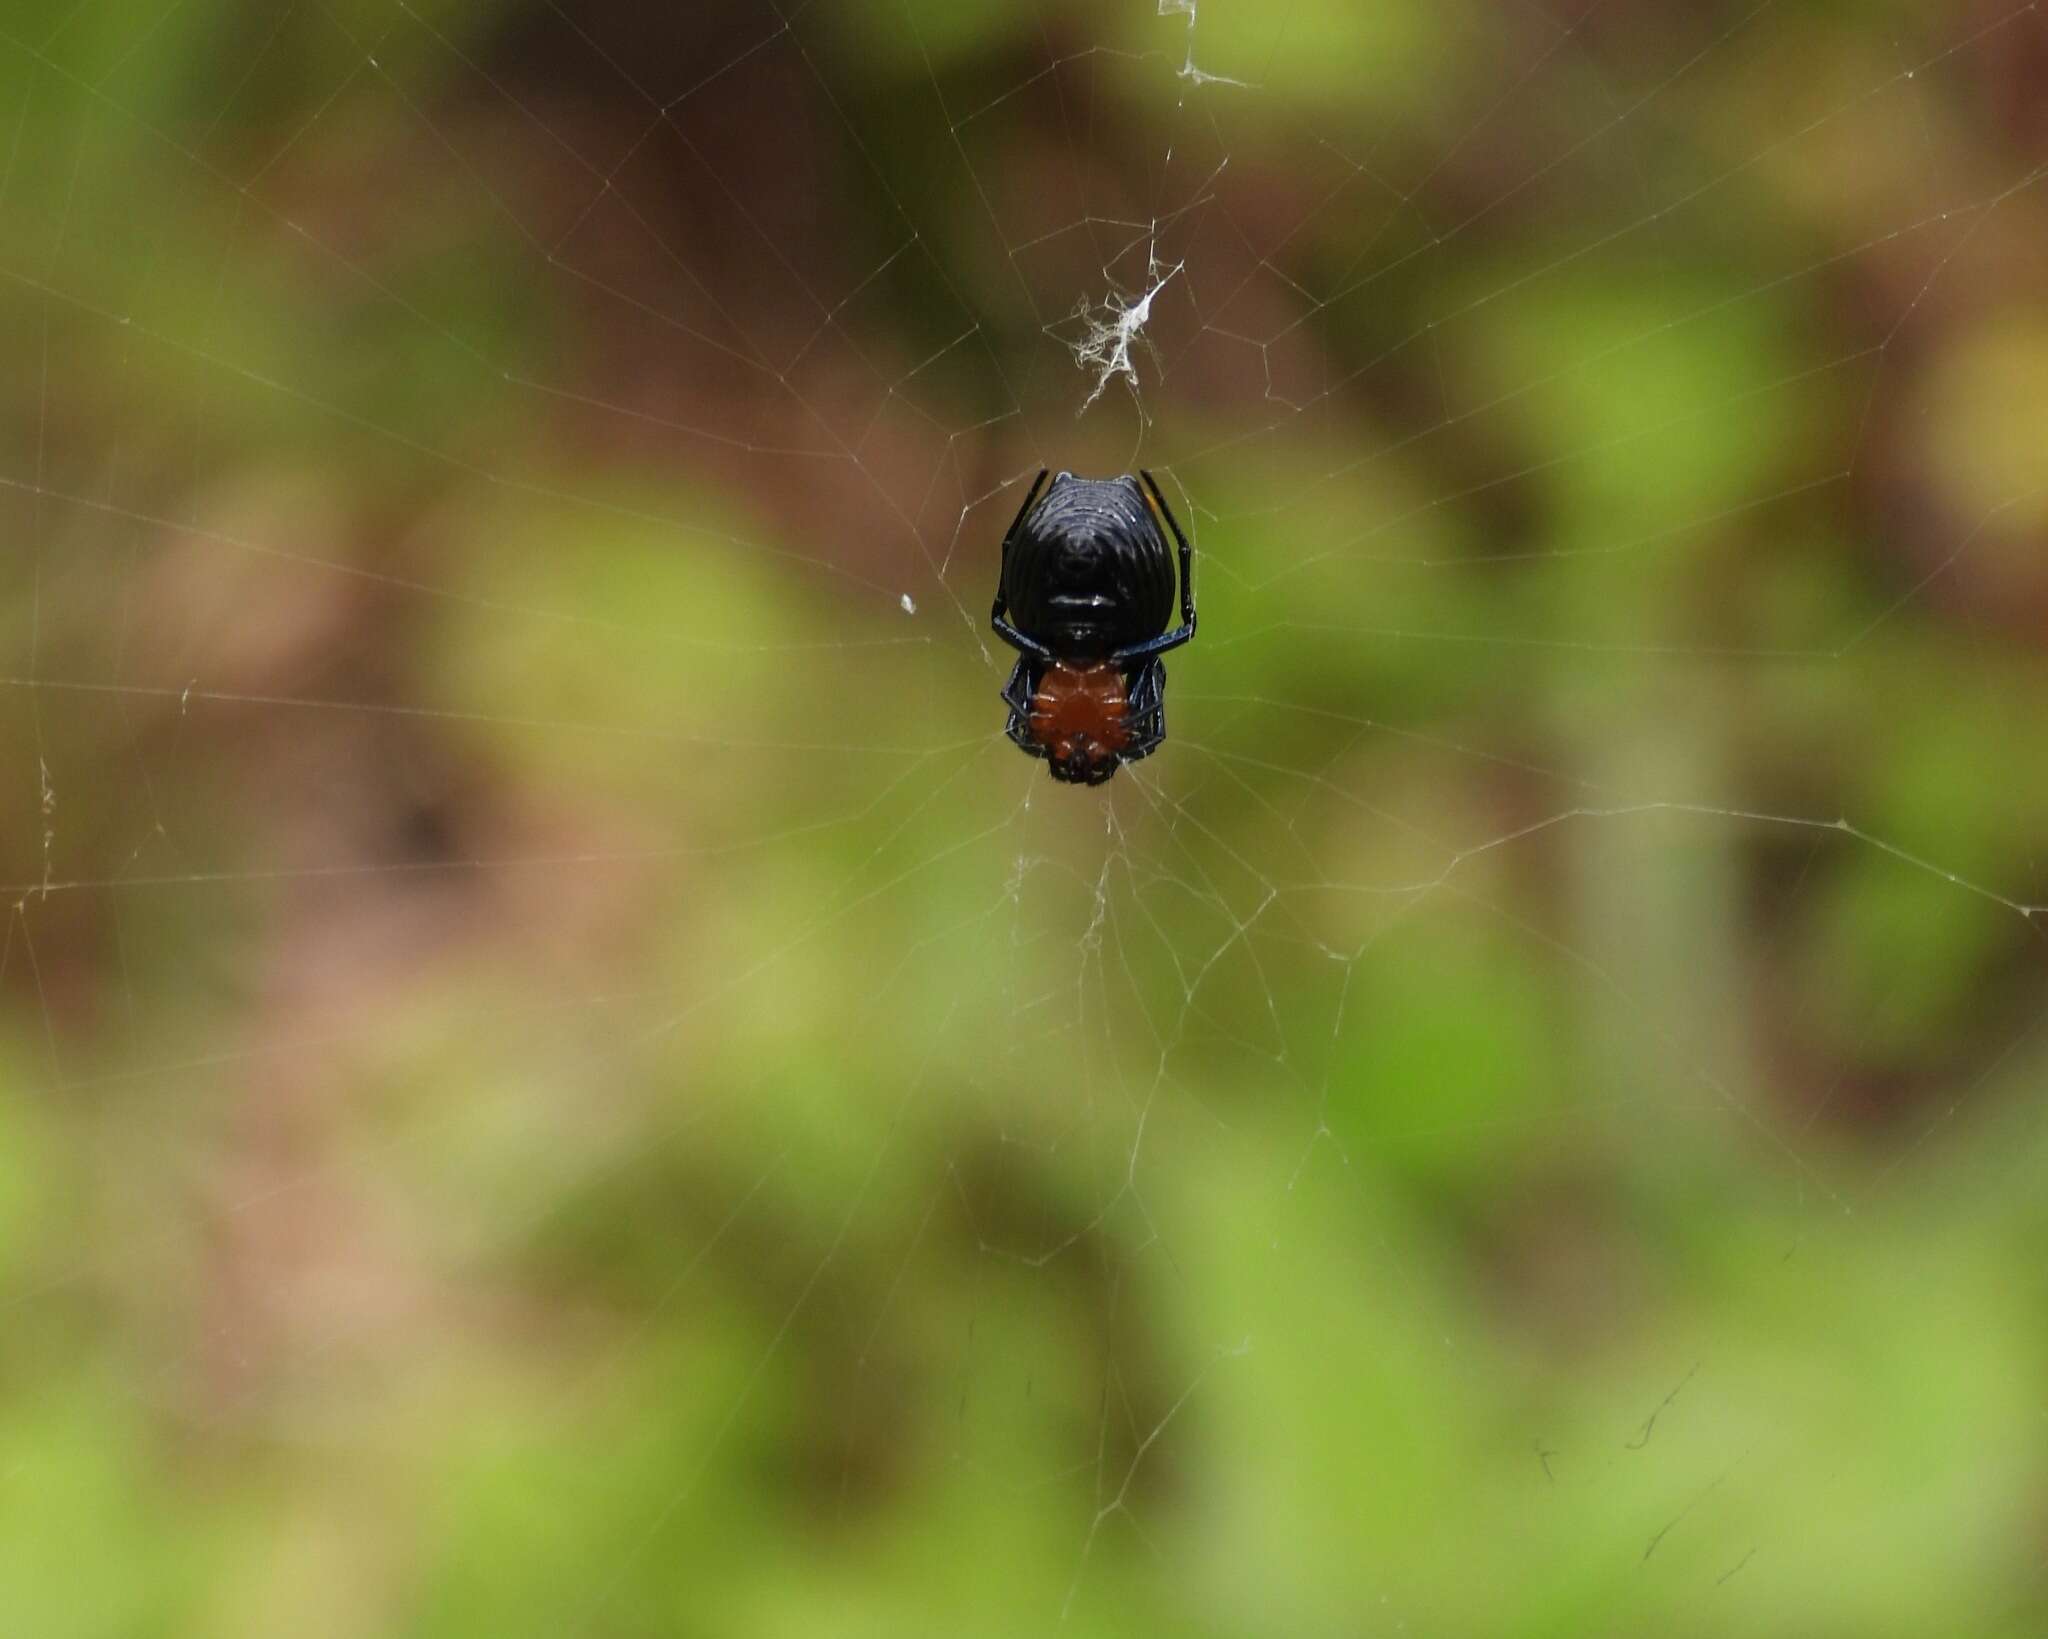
(1087, 576)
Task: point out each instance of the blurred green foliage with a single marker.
(558, 1076)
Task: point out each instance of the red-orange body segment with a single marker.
(1081, 709)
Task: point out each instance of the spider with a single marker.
(1088, 578)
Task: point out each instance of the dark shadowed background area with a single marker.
(559, 1076)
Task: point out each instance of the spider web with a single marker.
(565, 1078)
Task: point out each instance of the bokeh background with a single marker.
(558, 1076)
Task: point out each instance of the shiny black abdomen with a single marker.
(1090, 570)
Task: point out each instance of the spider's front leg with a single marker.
(1186, 629)
(1000, 608)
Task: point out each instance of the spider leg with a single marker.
(1146, 712)
(1152, 646)
(1018, 641)
(1186, 629)
(1187, 556)
(1016, 695)
(1003, 629)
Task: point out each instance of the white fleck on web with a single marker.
(558, 1068)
